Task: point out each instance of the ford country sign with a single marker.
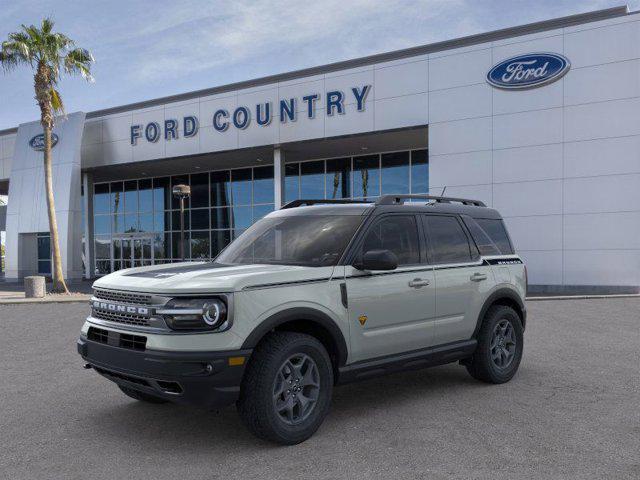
(528, 71)
(37, 142)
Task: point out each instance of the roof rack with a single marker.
(308, 202)
(400, 199)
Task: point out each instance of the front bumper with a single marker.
(204, 379)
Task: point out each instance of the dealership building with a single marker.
(541, 121)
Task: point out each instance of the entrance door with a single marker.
(132, 251)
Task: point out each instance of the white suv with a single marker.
(316, 294)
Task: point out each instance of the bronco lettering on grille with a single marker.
(117, 308)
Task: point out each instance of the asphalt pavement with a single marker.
(572, 412)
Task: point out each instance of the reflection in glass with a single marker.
(200, 190)
(102, 224)
(420, 171)
(102, 247)
(117, 223)
(395, 172)
(260, 211)
(338, 178)
(175, 220)
(117, 192)
(131, 223)
(145, 196)
(242, 217)
(366, 176)
(200, 219)
(312, 180)
(220, 218)
(131, 196)
(200, 245)
(292, 182)
(161, 221)
(241, 186)
(219, 240)
(161, 194)
(220, 189)
(145, 222)
(101, 198)
(103, 267)
(263, 185)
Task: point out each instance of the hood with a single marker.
(199, 277)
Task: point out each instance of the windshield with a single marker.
(311, 240)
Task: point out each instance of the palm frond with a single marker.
(56, 101)
(79, 60)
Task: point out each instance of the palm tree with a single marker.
(47, 53)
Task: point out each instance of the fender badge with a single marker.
(362, 319)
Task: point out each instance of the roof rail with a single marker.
(400, 199)
(301, 202)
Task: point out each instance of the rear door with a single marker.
(462, 279)
(391, 311)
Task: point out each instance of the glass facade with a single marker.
(137, 222)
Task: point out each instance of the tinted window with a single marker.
(397, 234)
(482, 239)
(497, 232)
(447, 241)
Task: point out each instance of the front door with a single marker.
(132, 251)
(391, 311)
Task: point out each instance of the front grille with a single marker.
(120, 317)
(98, 335)
(122, 340)
(122, 297)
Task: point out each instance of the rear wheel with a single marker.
(141, 396)
(500, 346)
(286, 391)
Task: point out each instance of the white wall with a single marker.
(561, 162)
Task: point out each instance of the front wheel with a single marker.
(286, 391)
(500, 346)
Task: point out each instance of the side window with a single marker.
(497, 232)
(483, 241)
(398, 234)
(448, 242)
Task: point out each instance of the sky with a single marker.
(149, 49)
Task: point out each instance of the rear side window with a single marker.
(486, 246)
(448, 243)
(497, 232)
(398, 234)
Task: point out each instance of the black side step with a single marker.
(417, 359)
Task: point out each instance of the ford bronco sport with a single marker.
(316, 294)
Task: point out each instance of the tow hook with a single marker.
(87, 366)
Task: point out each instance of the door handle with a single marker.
(478, 277)
(418, 282)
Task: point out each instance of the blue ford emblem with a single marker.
(528, 71)
(37, 142)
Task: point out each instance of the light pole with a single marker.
(181, 192)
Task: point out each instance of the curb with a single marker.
(21, 301)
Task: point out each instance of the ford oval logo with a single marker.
(37, 142)
(528, 71)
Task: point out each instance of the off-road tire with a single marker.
(141, 396)
(481, 366)
(256, 404)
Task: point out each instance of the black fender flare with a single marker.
(495, 297)
(296, 314)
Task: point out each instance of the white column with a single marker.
(278, 177)
(87, 207)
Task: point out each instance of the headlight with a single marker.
(195, 314)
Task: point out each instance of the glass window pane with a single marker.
(161, 244)
(292, 182)
(219, 240)
(175, 245)
(399, 234)
(161, 221)
(237, 233)
(338, 178)
(263, 185)
(242, 217)
(200, 219)
(312, 180)
(145, 195)
(131, 196)
(117, 223)
(395, 172)
(103, 267)
(447, 241)
(44, 247)
(366, 177)
(145, 222)
(161, 194)
(131, 223)
(117, 192)
(102, 247)
(220, 189)
(102, 224)
(175, 220)
(200, 190)
(420, 171)
(497, 232)
(179, 180)
(241, 186)
(101, 198)
(220, 218)
(200, 245)
(260, 211)
(44, 267)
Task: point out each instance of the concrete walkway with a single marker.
(13, 293)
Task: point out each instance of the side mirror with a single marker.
(378, 260)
